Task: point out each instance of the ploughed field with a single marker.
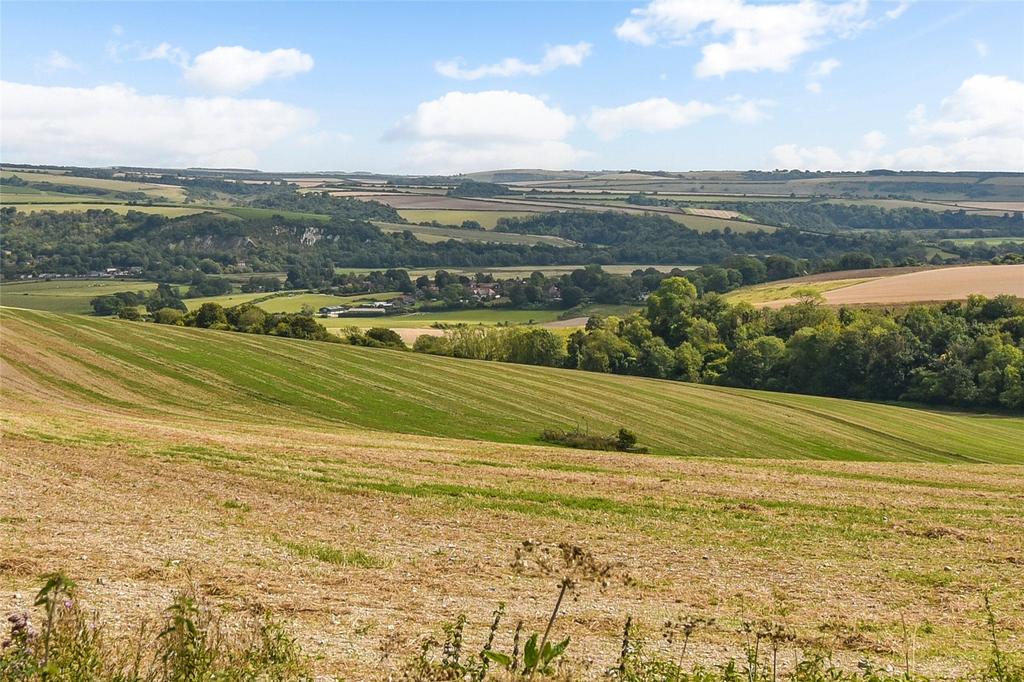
(365, 496)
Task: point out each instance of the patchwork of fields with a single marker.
(274, 473)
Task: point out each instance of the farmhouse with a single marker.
(484, 290)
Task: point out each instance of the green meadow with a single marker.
(64, 295)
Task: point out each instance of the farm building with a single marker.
(332, 310)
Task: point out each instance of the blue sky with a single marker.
(422, 87)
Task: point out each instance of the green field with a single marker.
(64, 296)
(440, 234)
(487, 219)
(161, 370)
(288, 302)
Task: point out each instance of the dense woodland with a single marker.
(962, 354)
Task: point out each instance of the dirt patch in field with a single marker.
(714, 213)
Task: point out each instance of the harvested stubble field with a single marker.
(937, 284)
(141, 458)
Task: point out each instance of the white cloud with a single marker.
(824, 67)
(493, 129)
(224, 69)
(58, 61)
(234, 69)
(116, 125)
(978, 127)
(659, 114)
(166, 52)
(744, 36)
(897, 11)
(981, 47)
(820, 70)
(554, 57)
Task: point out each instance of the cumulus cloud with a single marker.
(462, 131)
(659, 114)
(116, 125)
(234, 69)
(224, 69)
(981, 47)
(554, 57)
(742, 36)
(978, 127)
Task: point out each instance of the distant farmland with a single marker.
(171, 192)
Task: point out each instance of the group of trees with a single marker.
(830, 216)
(247, 318)
(965, 354)
(472, 188)
(126, 304)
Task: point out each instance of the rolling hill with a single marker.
(177, 374)
(307, 479)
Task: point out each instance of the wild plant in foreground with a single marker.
(192, 646)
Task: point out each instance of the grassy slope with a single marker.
(163, 371)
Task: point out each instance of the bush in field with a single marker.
(375, 337)
(623, 440)
(168, 316)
